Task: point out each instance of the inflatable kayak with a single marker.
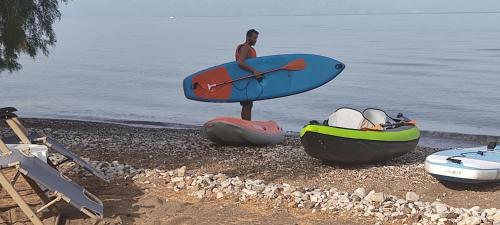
(349, 136)
(468, 165)
(284, 75)
(228, 130)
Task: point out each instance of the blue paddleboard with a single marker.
(216, 84)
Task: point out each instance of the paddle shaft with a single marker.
(244, 77)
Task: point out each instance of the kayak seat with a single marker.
(370, 119)
(346, 118)
(376, 116)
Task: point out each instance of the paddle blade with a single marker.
(204, 85)
(411, 122)
(298, 64)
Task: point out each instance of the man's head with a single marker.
(252, 36)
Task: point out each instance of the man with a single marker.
(243, 52)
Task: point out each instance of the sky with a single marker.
(162, 8)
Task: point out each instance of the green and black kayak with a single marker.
(353, 139)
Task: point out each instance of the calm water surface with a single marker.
(442, 70)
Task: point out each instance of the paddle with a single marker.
(298, 64)
(401, 119)
(400, 123)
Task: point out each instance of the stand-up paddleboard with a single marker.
(469, 165)
(283, 75)
(229, 130)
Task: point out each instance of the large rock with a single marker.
(367, 197)
(475, 209)
(412, 197)
(375, 196)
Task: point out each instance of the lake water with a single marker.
(441, 69)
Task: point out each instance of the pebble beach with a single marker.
(176, 176)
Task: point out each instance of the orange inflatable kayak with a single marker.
(229, 130)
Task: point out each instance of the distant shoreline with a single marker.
(296, 15)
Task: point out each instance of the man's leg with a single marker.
(246, 110)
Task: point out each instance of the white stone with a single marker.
(297, 194)
(367, 197)
(258, 187)
(475, 208)
(177, 179)
(181, 171)
(441, 207)
(181, 185)
(249, 192)
(434, 217)
(379, 216)
(315, 198)
(470, 221)
(200, 194)
(343, 199)
(377, 197)
(361, 192)
(496, 217)
(490, 212)
(412, 196)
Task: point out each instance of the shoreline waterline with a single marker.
(429, 138)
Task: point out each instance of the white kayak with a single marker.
(468, 165)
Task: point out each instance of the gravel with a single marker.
(281, 175)
(384, 207)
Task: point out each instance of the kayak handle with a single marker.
(340, 66)
(492, 145)
(453, 160)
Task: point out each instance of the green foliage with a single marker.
(26, 27)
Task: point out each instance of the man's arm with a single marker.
(241, 60)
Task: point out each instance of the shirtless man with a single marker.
(245, 51)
